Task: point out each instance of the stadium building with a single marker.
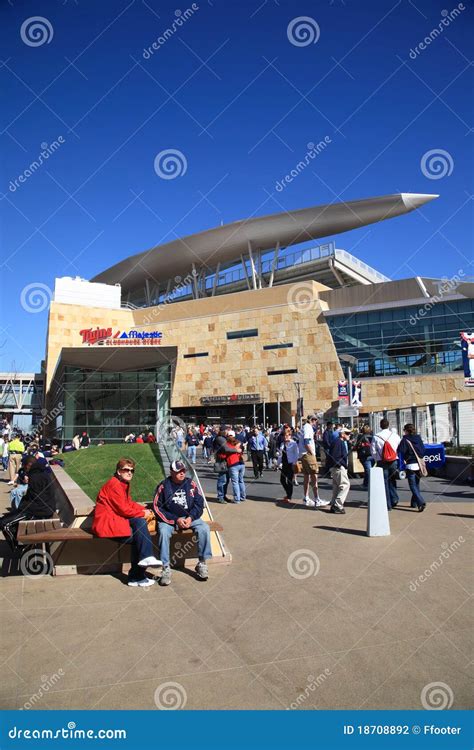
(249, 321)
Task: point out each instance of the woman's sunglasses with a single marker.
(132, 471)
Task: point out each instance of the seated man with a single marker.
(37, 502)
(178, 504)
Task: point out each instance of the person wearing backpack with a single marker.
(363, 447)
(384, 451)
(412, 450)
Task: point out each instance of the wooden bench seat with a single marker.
(50, 531)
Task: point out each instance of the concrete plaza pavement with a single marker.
(311, 613)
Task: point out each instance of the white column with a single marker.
(377, 515)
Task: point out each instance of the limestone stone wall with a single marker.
(281, 315)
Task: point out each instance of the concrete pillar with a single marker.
(377, 515)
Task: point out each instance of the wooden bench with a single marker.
(38, 535)
(50, 531)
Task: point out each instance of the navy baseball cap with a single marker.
(178, 466)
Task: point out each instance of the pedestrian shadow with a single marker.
(457, 515)
(353, 532)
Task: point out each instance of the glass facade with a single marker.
(404, 340)
(109, 405)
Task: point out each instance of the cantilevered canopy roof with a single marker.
(224, 245)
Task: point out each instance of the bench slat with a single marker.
(77, 534)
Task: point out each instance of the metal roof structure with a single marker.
(198, 255)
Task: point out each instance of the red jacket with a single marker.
(113, 507)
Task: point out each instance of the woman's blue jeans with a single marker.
(222, 484)
(142, 547)
(238, 485)
(414, 484)
(367, 464)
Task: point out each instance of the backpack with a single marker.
(389, 454)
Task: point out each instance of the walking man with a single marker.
(310, 464)
(258, 444)
(338, 458)
(384, 450)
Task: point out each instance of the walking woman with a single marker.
(412, 450)
(288, 454)
(236, 465)
(118, 517)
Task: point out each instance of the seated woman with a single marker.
(37, 502)
(117, 517)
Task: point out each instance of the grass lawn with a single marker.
(91, 468)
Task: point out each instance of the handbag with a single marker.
(298, 467)
(420, 461)
(151, 523)
(220, 466)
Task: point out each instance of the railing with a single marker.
(173, 453)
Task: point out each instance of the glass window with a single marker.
(249, 332)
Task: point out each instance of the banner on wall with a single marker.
(356, 393)
(343, 392)
(467, 348)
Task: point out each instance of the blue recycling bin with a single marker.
(435, 457)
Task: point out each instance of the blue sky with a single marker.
(240, 100)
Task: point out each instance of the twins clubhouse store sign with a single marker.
(107, 337)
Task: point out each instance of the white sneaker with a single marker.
(11, 482)
(143, 584)
(320, 503)
(150, 562)
(309, 503)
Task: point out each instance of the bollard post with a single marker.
(377, 515)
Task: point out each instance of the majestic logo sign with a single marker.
(106, 336)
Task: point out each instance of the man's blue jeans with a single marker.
(192, 453)
(166, 531)
(389, 474)
(16, 494)
(238, 485)
(222, 484)
(414, 484)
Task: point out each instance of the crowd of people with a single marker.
(296, 452)
(178, 503)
